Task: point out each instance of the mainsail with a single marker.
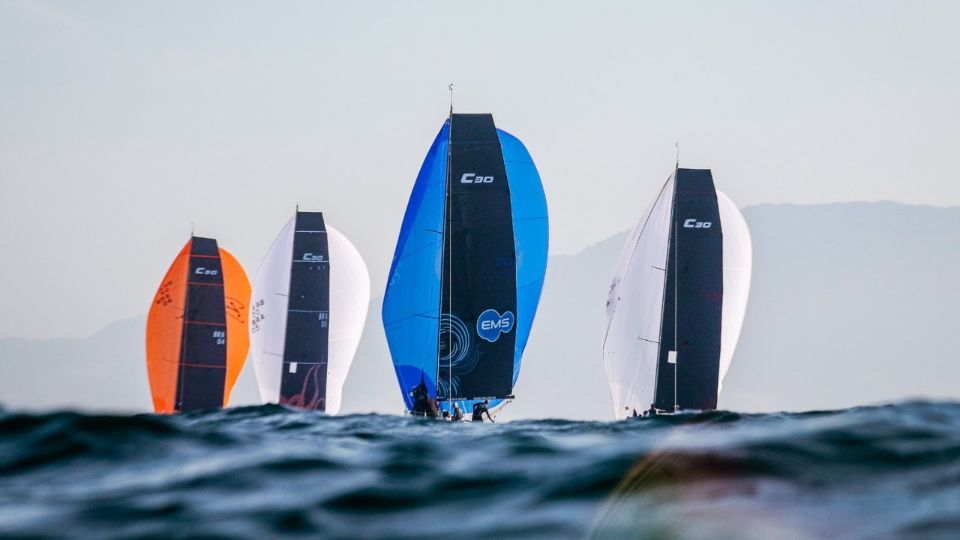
(196, 329)
(677, 300)
(309, 306)
(469, 265)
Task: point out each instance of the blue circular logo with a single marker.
(491, 324)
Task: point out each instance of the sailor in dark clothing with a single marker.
(479, 409)
(652, 411)
(422, 404)
(457, 413)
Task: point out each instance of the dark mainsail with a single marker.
(304, 380)
(203, 345)
(693, 297)
(478, 303)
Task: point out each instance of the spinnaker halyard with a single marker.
(677, 300)
(196, 330)
(308, 309)
(468, 269)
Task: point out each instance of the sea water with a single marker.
(262, 472)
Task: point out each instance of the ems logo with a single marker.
(491, 324)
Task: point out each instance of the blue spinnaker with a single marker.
(412, 300)
(411, 303)
(531, 234)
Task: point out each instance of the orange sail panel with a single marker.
(197, 338)
(236, 298)
(164, 333)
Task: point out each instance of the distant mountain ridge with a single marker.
(851, 303)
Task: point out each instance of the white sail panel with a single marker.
(630, 348)
(737, 269)
(349, 300)
(268, 314)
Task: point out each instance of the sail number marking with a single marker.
(692, 223)
(474, 178)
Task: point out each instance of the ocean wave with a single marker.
(885, 471)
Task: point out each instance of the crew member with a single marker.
(422, 404)
(479, 409)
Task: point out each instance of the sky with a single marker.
(125, 124)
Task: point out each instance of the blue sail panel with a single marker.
(531, 235)
(411, 303)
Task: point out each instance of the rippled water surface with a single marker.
(256, 472)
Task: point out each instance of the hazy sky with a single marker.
(123, 122)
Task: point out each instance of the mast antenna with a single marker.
(677, 146)
(191, 229)
(450, 87)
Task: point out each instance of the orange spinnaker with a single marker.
(164, 331)
(236, 299)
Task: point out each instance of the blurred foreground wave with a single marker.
(256, 472)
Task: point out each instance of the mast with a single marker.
(444, 242)
(446, 227)
(676, 309)
(676, 280)
(663, 305)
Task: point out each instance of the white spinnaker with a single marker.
(737, 270)
(635, 309)
(268, 314)
(349, 300)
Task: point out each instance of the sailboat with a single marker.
(307, 313)
(197, 329)
(468, 269)
(677, 300)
